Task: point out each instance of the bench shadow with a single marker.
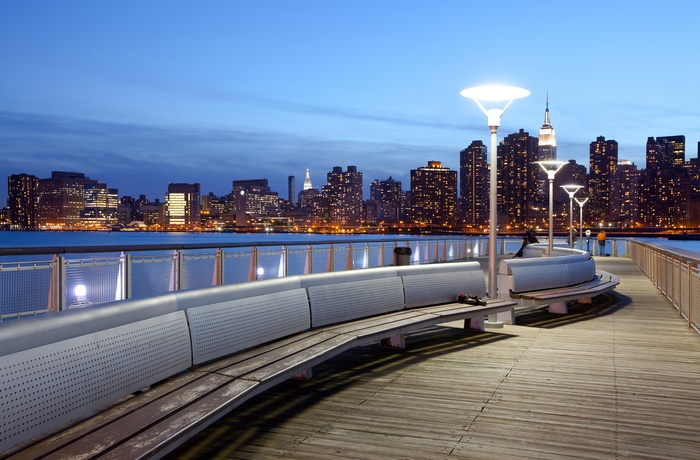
(283, 402)
(604, 304)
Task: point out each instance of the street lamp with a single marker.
(580, 226)
(571, 190)
(493, 93)
(551, 167)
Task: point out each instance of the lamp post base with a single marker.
(493, 324)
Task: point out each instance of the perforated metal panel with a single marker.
(432, 289)
(535, 278)
(45, 387)
(347, 301)
(581, 272)
(227, 327)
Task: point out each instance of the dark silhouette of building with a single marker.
(21, 201)
(518, 179)
(388, 194)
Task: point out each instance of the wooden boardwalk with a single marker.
(616, 379)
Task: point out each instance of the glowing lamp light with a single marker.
(80, 290)
(261, 271)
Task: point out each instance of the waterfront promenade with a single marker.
(616, 379)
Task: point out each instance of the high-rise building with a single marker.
(291, 190)
(627, 200)
(21, 201)
(388, 194)
(343, 193)
(601, 180)
(474, 185)
(434, 195)
(60, 200)
(307, 181)
(183, 206)
(518, 177)
(665, 187)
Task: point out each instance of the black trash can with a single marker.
(402, 256)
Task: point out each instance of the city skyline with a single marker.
(140, 95)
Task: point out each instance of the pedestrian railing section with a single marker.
(51, 282)
(675, 273)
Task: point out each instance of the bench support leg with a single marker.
(474, 324)
(585, 300)
(559, 308)
(396, 341)
(506, 317)
(306, 375)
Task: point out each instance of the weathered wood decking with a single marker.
(619, 378)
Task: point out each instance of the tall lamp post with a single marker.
(571, 190)
(551, 167)
(580, 224)
(493, 93)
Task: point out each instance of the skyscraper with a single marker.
(665, 187)
(307, 181)
(601, 180)
(21, 201)
(343, 194)
(474, 185)
(434, 195)
(547, 150)
(291, 189)
(518, 176)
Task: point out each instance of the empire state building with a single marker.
(548, 139)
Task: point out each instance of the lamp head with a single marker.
(551, 167)
(494, 93)
(572, 189)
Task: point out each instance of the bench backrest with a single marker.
(335, 303)
(49, 385)
(212, 295)
(227, 327)
(534, 274)
(441, 283)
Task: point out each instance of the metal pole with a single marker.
(580, 227)
(493, 203)
(551, 212)
(571, 221)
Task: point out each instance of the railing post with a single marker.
(127, 276)
(61, 283)
(218, 277)
(309, 262)
(253, 267)
(380, 258)
(349, 262)
(330, 263)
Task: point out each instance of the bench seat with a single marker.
(602, 283)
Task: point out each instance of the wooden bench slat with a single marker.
(179, 425)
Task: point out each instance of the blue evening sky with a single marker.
(141, 93)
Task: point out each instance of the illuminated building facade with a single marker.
(665, 187)
(434, 195)
(343, 195)
(388, 194)
(100, 206)
(183, 205)
(60, 200)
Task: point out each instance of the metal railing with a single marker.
(41, 280)
(675, 272)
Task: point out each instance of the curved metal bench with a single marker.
(234, 342)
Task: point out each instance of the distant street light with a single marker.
(571, 190)
(551, 167)
(580, 225)
(493, 93)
